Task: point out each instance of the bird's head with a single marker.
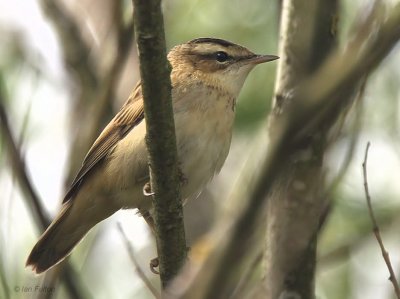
(215, 60)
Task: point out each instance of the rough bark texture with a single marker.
(307, 36)
(296, 202)
(161, 141)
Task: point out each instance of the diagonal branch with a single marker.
(160, 137)
(18, 166)
(31, 197)
(139, 270)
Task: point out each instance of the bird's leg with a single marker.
(154, 263)
(181, 176)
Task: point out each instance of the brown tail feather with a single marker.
(57, 241)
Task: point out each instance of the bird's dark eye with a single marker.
(221, 56)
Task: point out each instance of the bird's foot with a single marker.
(147, 190)
(154, 263)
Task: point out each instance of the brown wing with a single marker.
(130, 115)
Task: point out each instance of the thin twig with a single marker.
(375, 227)
(139, 270)
(342, 250)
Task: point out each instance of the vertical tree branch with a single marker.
(308, 34)
(161, 140)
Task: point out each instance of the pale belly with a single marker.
(203, 143)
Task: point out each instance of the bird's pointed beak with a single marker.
(257, 59)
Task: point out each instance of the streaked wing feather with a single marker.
(130, 115)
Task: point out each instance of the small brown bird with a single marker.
(207, 76)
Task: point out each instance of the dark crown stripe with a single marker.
(218, 41)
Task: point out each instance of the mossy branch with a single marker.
(161, 140)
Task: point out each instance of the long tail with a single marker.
(63, 234)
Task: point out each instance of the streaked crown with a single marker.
(214, 60)
(210, 54)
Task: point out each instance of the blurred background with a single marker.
(66, 68)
